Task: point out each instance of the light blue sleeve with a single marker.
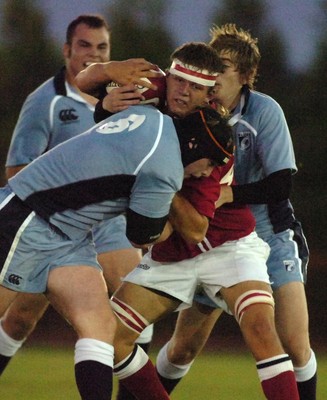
(273, 143)
(160, 177)
(32, 131)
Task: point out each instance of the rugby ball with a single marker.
(156, 98)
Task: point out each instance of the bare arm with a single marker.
(123, 72)
(186, 220)
(121, 98)
(11, 171)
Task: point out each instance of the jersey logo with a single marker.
(143, 266)
(14, 279)
(244, 141)
(289, 265)
(129, 124)
(68, 115)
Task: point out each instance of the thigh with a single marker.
(79, 294)
(231, 294)
(136, 307)
(117, 264)
(152, 305)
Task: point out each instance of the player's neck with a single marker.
(232, 102)
(71, 81)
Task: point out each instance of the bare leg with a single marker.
(137, 307)
(252, 303)
(192, 330)
(116, 264)
(80, 295)
(292, 324)
(18, 322)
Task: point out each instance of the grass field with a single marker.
(48, 374)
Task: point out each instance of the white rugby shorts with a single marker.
(223, 266)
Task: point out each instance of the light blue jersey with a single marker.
(130, 160)
(263, 146)
(53, 113)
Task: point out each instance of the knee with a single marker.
(298, 348)
(22, 316)
(94, 324)
(260, 327)
(18, 325)
(182, 352)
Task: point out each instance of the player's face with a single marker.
(88, 46)
(229, 83)
(199, 169)
(184, 96)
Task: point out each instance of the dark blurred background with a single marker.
(29, 55)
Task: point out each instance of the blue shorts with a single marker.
(110, 235)
(30, 247)
(289, 256)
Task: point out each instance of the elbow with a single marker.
(196, 236)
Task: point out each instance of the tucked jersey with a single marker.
(263, 146)
(51, 114)
(130, 160)
(229, 222)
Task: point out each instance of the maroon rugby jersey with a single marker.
(229, 222)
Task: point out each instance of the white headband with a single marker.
(193, 74)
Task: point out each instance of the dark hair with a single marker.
(93, 21)
(199, 55)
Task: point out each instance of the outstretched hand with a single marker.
(93, 77)
(133, 70)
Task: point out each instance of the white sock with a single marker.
(305, 373)
(167, 369)
(95, 350)
(8, 345)
(131, 364)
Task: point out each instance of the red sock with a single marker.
(145, 384)
(281, 387)
(139, 376)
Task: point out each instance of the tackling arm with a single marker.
(274, 188)
(92, 78)
(11, 171)
(187, 221)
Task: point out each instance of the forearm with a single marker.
(92, 78)
(275, 188)
(134, 70)
(186, 220)
(11, 171)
